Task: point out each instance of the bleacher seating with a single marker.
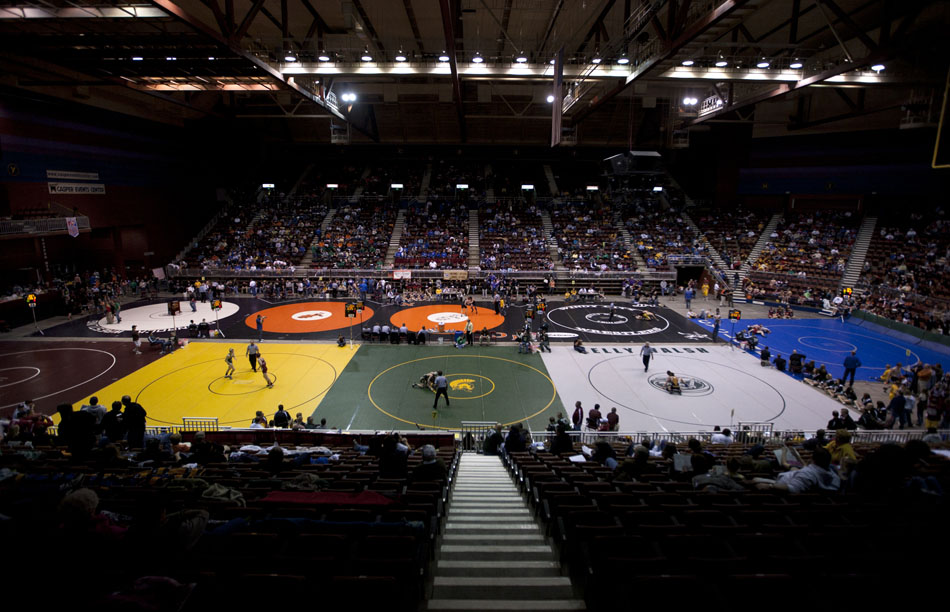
(446, 174)
(435, 233)
(733, 233)
(357, 237)
(511, 237)
(587, 237)
(657, 234)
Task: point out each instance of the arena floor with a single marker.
(326, 319)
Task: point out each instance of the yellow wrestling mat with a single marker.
(190, 382)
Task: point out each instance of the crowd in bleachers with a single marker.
(357, 237)
(435, 236)
(732, 232)
(346, 176)
(906, 272)
(272, 234)
(216, 525)
(511, 237)
(381, 177)
(658, 234)
(734, 513)
(587, 237)
(806, 251)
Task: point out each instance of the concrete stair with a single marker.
(308, 258)
(628, 241)
(859, 254)
(474, 247)
(552, 182)
(493, 553)
(424, 185)
(714, 255)
(743, 272)
(548, 226)
(398, 226)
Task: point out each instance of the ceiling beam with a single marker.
(411, 16)
(322, 24)
(247, 21)
(692, 31)
(850, 24)
(596, 26)
(197, 24)
(787, 88)
(448, 21)
(505, 19)
(550, 28)
(369, 26)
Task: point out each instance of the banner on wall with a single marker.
(77, 188)
(67, 175)
(72, 226)
(455, 275)
(397, 274)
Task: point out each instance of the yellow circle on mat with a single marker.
(369, 389)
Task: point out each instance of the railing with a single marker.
(751, 436)
(39, 226)
(477, 274)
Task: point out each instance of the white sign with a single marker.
(402, 274)
(311, 315)
(447, 317)
(77, 188)
(72, 176)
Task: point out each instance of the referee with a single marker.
(441, 388)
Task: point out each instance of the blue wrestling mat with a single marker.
(829, 341)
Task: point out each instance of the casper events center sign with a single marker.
(58, 188)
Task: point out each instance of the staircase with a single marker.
(551, 241)
(754, 254)
(307, 260)
(398, 226)
(489, 188)
(493, 554)
(474, 247)
(859, 253)
(552, 183)
(359, 190)
(628, 242)
(711, 251)
(424, 185)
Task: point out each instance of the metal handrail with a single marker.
(39, 226)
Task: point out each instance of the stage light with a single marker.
(550, 98)
(478, 59)
(763, 63)
(688, 62)
(796, 64)
(348, 97)
(623, 60)
(877, 68)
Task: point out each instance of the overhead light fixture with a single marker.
(323, 57)
(550, 98)
(366, 57)
(796, 64)
(877, 68)
(136, 59)
(211, 58)
(763, 63)
(522, 58)
(551, 62)
(688, 62)
(623, 60)
(657, 188)
(688, 101)
(478, 59)
(400, 57)
(444, 57)
(721, 61)
(170, 59)
(290, 57)
(348, 97)
(593, 188)
(596, 60)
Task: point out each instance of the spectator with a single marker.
(816, 476)
(431, 469)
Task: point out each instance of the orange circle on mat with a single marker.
(310, 317)
(414, 318)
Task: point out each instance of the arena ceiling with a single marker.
(448, 71)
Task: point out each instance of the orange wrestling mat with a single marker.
(452, 316)
(306, 317)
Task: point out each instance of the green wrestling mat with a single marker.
(375, 390)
